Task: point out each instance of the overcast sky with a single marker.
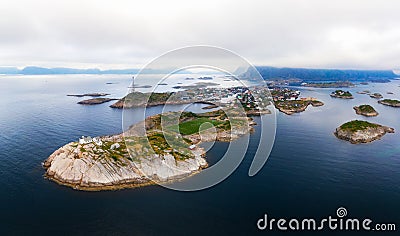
(128, 34)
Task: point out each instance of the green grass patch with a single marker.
(114, 157)
(177, 147)
(193, 126)
(356, 125)
(343, 93)
(366, 108)
(391, 101)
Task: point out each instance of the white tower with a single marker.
(133, 84)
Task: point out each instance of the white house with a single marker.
(114, 146)
(97, 141)
(192, 147)
(85, 140)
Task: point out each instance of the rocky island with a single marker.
(95, 101)
(364, 92)
(390, 102)
(342, 94)
(144, 154)
(376, 95)
(358, 131)
(89, 95)
(337, 84)
(290, 107)
(365, 110)
(289, 102)
(139, 99)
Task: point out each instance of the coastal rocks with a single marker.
(169, 169)
(365, 110)
(93, 173)
(119, 104)
(316, 103)
(210, 107)
(390, 102)
(258, 112)
(357, 131)
(364, 92)
(376, 95)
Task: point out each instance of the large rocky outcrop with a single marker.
(364, 134)
(87, 171)
(141, 155)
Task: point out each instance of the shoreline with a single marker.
(116, 186)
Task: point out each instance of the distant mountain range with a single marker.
(273, 73)
(34, 70)
(267, 72)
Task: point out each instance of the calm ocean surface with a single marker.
(310, 172)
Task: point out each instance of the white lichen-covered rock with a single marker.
(91, 172)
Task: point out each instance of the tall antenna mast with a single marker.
(133, 84)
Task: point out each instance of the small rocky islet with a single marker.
(359, 131)
(376, 95)
(97, 98)
(88, 95)
(365, 110)
(342, 94)
(390, 102)
(96, 101)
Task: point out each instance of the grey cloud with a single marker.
(311, 33)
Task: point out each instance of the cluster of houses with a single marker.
(285, 94)
(246, 98)
(88, 139)
(341, 93)
(224, 95)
